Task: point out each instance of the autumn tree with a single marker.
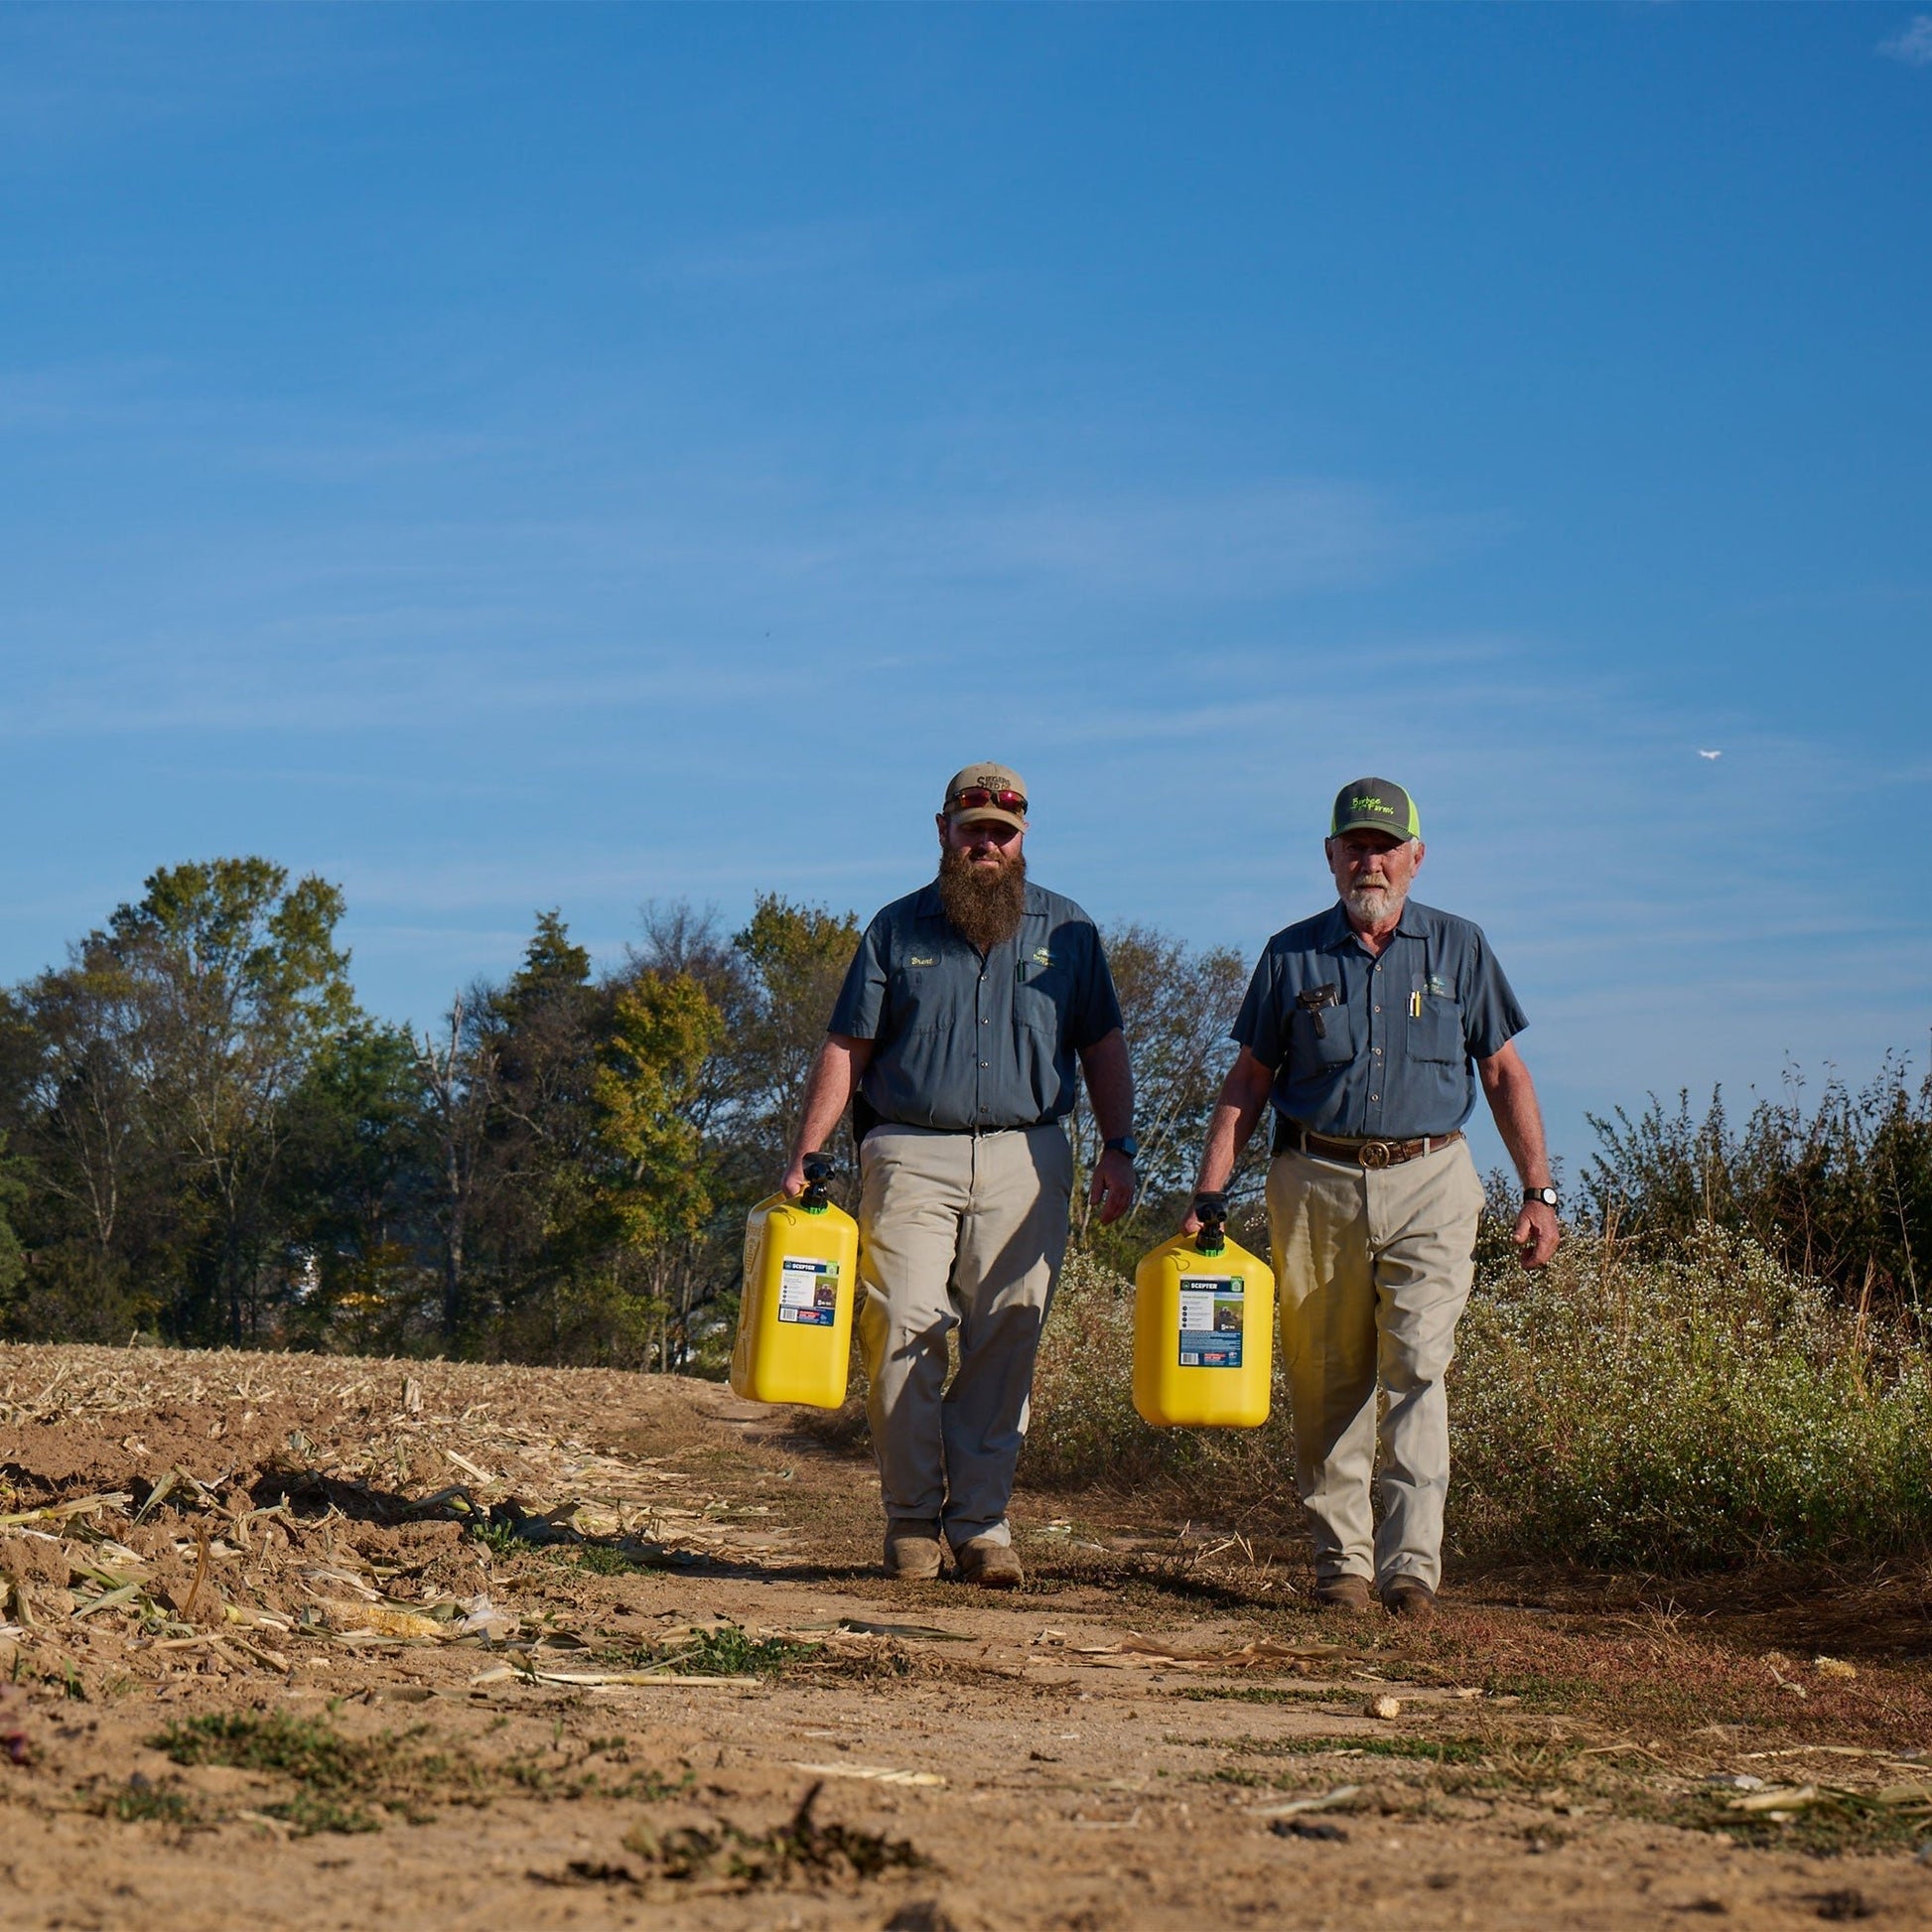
(662, 1035)
(1177, 1004)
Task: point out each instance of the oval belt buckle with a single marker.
(1375, 1154)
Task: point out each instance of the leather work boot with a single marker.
(1341, 1593)
(914, 1553)
(1410, 1599)
(991, 1565)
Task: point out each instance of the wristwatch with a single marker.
(1547, 1195)
(1125, 1144)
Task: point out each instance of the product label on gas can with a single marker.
(1211, 1321)
(809, 1292)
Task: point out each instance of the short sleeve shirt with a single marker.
(967, 1043)
(1367, 1046)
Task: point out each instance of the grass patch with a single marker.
(342, 1784)
(730, 1650)
(1429, 1750)
(1698, 1410)
(349, 1784)
(607, 1560)
(1835, 1822)
(141, 1802)
(1692, 1410)
(600, 1559)
(571, 1781)
(1251, 1694)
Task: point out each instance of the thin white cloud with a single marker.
(1911, 43)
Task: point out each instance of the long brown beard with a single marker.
(986, 906)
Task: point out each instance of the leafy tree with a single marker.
(1177, 1004)
(795, 958)
(650, 1074)
(353, 1188)
(91, 1080)
(458, 1077)
(542, 1156)
(12, 1195)
(235, 981)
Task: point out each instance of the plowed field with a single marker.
(293, 1642)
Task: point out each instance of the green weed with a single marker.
(1430, 1750)
(1251, 1694)
(342, 1784)
(728, 1651)
(600, 1559)
(139, 1802)
(1836, 1821)
(606, 1559)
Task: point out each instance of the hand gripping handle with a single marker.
(1211, 1210)
(820, 1172)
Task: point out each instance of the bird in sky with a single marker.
(1709, 754)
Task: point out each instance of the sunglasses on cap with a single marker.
(976, 798)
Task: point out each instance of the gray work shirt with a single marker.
(971, 1044)
(1391, 1057)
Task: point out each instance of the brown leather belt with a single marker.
(1373, 1154)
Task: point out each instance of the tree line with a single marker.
(204, 1139)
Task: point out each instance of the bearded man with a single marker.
(1361, 1025)
(954, 1039)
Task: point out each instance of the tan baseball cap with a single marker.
(1005, 801)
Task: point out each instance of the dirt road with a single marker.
(315, 1643)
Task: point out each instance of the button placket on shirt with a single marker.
(1373, 1123)
(979, 999)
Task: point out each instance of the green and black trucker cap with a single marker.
(1374, 804)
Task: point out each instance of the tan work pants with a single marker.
(1375, 1269)
(955, 1231)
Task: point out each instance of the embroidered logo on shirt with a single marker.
(915, 960)
(1042, 957)
(1440, 987)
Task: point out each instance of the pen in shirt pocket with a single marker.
(1415, 1006)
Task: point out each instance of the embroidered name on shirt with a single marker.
(915, 960)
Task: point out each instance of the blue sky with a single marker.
(512, 457)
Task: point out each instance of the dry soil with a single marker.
(297, 1641)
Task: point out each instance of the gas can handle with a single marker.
(820, 1172)
(1211, 1210)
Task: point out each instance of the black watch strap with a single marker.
(1547, 1195)
(1123, 1144)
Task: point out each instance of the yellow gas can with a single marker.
(1203, 1330)
(794, 1319)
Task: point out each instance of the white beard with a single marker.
(1371, 904)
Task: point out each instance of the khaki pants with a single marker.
(955, 1232)
(1375, 1269)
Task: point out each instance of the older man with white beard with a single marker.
(1361, 1025)
(954, 1039)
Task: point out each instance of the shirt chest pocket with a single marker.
(1436, 1033)
(917, 998)
(1040, 992)
(1322, 1037)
